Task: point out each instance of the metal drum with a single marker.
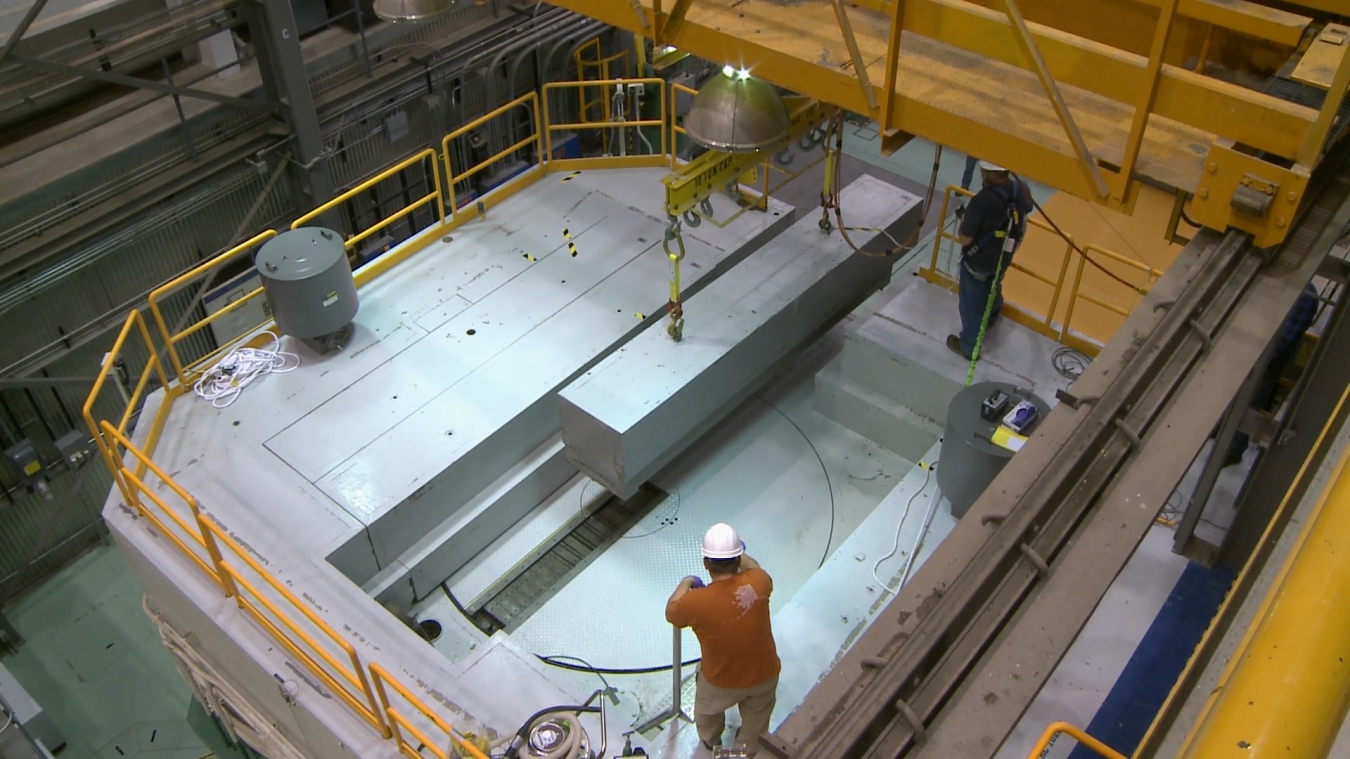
(309, 284)
(970, 460)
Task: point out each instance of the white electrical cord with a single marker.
(922, 536)
(222, 383)
(928, 473)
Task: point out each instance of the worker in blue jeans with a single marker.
(968, 175)
(990, 230)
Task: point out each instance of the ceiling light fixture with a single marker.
(736, 113)
(400, 11)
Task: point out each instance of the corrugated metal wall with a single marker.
(64, 316)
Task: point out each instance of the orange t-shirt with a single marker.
(731, 619)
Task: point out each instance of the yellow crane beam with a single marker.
(1287, 687)
(963, 76)
(1259, 21)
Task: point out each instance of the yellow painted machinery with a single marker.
(1091, 98)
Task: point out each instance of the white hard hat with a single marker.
(722, 542)
(990, 166)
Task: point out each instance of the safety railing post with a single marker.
(942, 224)
(1059, 287)
(217, 561)
(1073, 300)
(676, 665)
(676, 710)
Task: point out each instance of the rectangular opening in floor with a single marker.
(539, 575)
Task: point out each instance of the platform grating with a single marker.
(539, 576)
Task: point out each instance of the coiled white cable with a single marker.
(223, 382)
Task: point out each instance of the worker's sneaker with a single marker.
(954, 345)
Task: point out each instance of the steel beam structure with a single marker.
(1286, 688)
(1252, 19)
(282, 65)
(145, 84)
(1091, 173)
(22, 28)
(1278, 482)
(984, 103)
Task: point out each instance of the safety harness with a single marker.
(1008, 234)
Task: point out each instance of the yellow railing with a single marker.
(1046, 324)
(186, 525)
(528, 101)
(153, 368)
(398, 722)
(350, 683)
(277, 610)
(672, 107)
(1056, 728)
(606, 162)
(416, 243)
(186, 375)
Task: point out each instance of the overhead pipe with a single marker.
(533, 50)
(1286, 689)
(577, 41)
(555, 29)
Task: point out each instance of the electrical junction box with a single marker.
(25, 459)
(74, 448)
(396, 126)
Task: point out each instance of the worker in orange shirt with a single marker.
(730, 616)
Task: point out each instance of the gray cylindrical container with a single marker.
(969, 460)
(308, 282)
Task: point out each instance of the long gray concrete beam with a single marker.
(630, 415)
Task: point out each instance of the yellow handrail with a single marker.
(425, 155)
(653, 159)
(1055, 728)
(177, 283)
(106, 448)
(530, 101)
(355, 677)
(675, 129)
(381, 677)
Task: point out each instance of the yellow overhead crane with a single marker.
(1090, 97)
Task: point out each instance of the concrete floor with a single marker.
(94, 662)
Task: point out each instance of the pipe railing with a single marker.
(1055, 729)
(417, 241)
(135, 323)
(529, 101)
(399, 722)
(350, 683)
(204, 271)
(1060, 289)
(607, 126)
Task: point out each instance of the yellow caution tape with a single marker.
(529, 257)
(640, 315)
(569, 176)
